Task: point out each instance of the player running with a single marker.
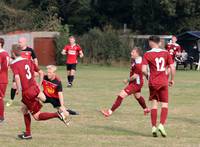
(135, 83)
(158, 61)
(28, 53)
(52, 89)
(173, 48)
(4, 63)
(72, 51)
(23, 70)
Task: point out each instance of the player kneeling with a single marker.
(23, 71)
(135, 83)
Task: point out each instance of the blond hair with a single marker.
(51, 67)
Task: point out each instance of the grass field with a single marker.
(95, 88)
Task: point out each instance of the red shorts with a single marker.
(30, 99)
(132, 88)
(2, 90)
(159, 93)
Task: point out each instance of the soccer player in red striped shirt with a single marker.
(158, 61)
(4, 63)
(134, 84)
(72, 51)
(52, 89)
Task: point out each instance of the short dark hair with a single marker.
(139, 50)
(2, 42)
(154, 38)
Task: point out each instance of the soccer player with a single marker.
(4, 63)
(173, 48)
(52, 88)
(135, 83)
(72, 51)
(23, 70)
(28, 53)
(158, 61)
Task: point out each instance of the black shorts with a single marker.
(54, 101)
(71, 66)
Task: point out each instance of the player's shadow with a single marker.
(185, 119)
(120, 130)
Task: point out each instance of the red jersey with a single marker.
(25, 69)
(4, 62)
(173, 49)
(158, 60)
(136, 68)
(71, 53)
(51, 87)
(26, 54)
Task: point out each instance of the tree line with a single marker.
(140, 16)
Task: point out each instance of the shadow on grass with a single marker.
(119, 131)
(187, 120)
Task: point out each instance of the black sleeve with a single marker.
(59, 88)
(33, 55)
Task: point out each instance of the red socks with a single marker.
(27, 120)
(1, 108)
(153, 117)
(47, 115)
(163, 115)
(142, 103)
(117, 103)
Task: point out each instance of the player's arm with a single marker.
(33, 55)
(35, 61)
(18, 83)
(172, 72)
(145, 71)
(60, 94)
(40, 72)
(61, 98)
(81, 55)
(63, 52)
(0, 64)
(132, 78)
(41, 77)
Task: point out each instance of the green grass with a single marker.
(95, 88)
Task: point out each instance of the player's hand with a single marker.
(17, 92)
(171, 83)
(63, 52)
(125, 81)
(81, 55)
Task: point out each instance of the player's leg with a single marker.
(72, 74)
(163, 94)
(1, 109)
(2, 94)
(123, 94)
(27, 121)
(142, 102)
(68, 68)
(47, 115)
(154, 108)
(13, 92)
(72, 68)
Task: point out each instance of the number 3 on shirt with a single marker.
(160, 64)
(28, 72)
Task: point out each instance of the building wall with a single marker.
(11, 39)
